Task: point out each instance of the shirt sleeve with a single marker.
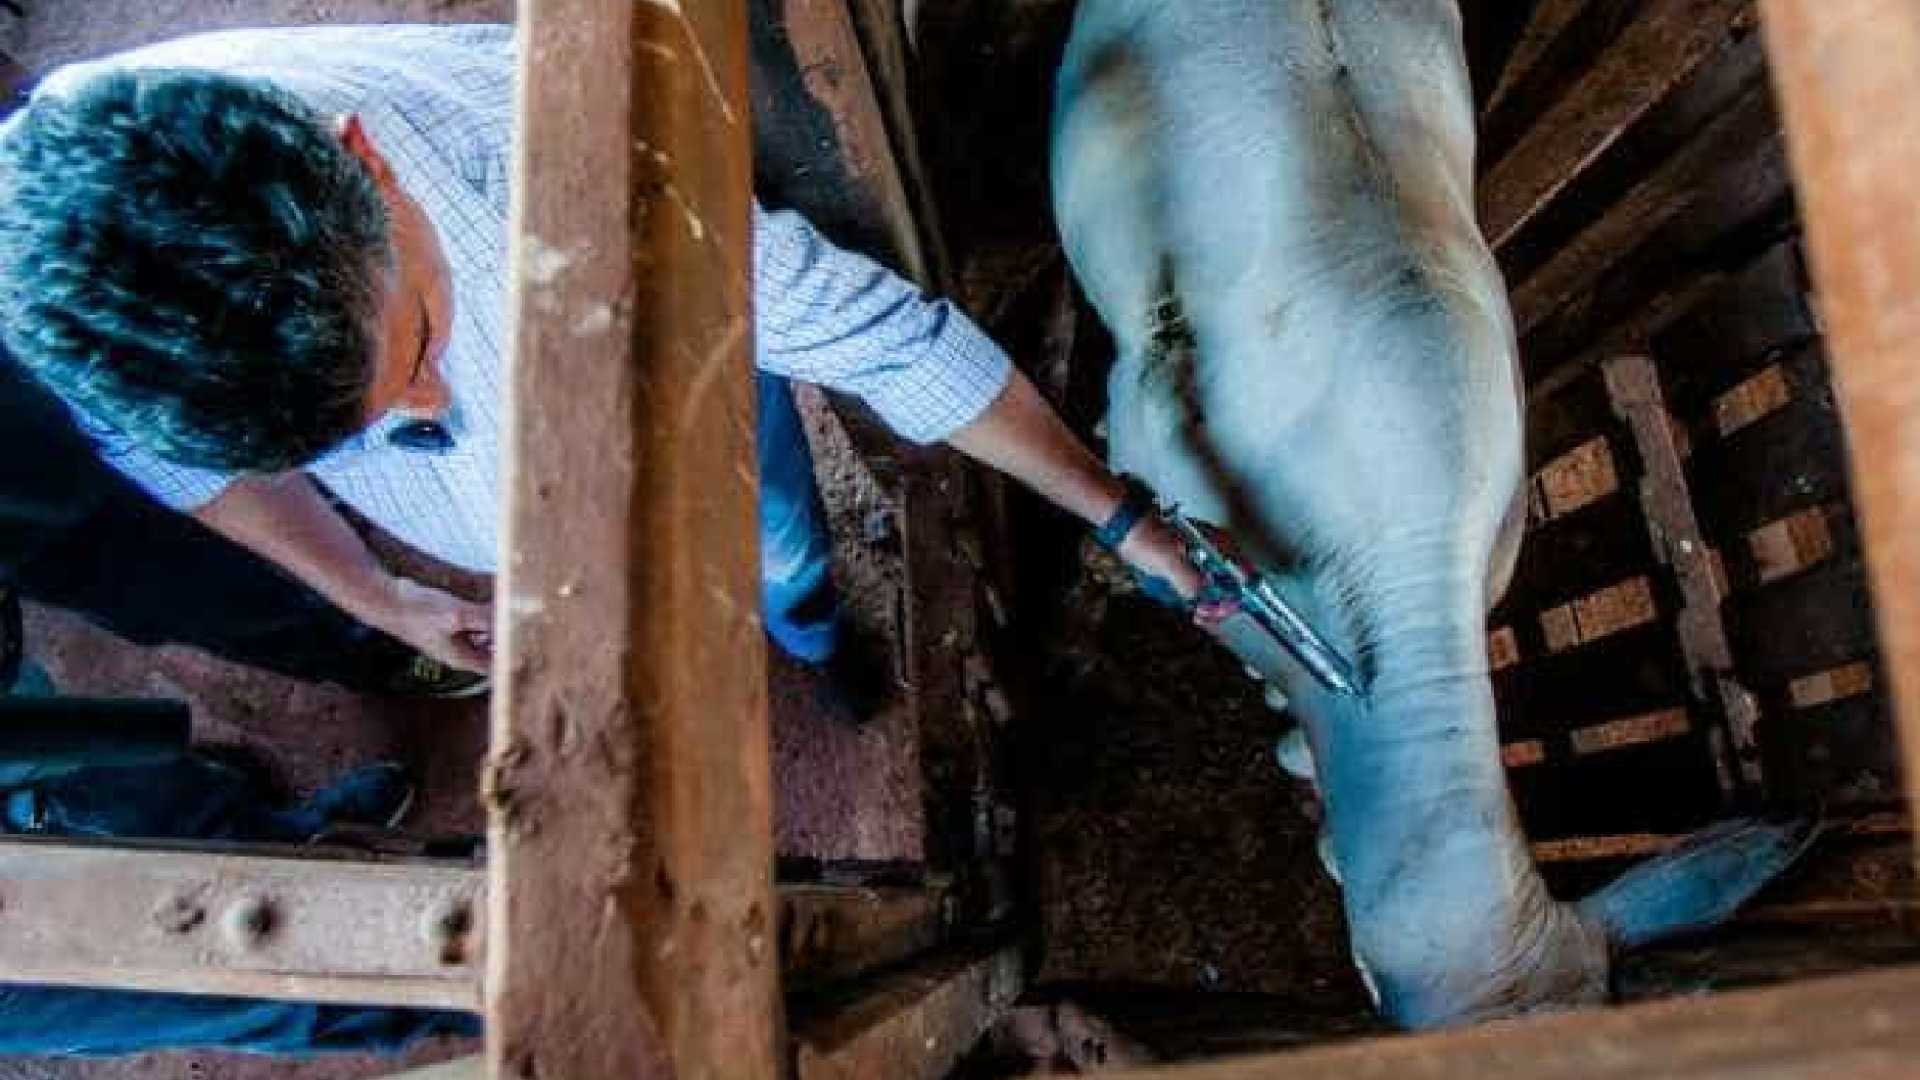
(829, 316)
(176, 487)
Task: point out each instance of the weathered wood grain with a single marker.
(1854, 1026)
(1664, 44)
(249, 922)
(628, 787)
(1663, 195)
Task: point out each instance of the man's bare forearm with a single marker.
(285, 520)
(1022, 436)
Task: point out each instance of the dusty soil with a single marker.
(1170, 850)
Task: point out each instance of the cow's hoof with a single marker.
(1295, 755)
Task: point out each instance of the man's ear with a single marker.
(353, 135)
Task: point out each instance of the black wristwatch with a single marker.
(1137, 503)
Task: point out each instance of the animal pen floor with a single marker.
(1168, 864)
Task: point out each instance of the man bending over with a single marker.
(254, 259)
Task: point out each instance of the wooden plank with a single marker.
(1849, 882)
(1554, 46)
(1792, 459)
(1597, 848)
(1579, 478)
(1665, 194)
(1632, 731)
(1848, 72)
(1573, 413)
(935, 490)
(830, 933)
(1571, 556)
(1870, 827)
(1737, 330)
(1664, 787)
(882, 26)
(248, 925)
(1662, 46)
(1635, 671)
(1743, 210)
(466, 1068)
(628, 787)
(913, 1026)
(1818, 619)
(1833, 754)
(1666, 129)
(1731, 710)
(824, 144)
(1853, 1026)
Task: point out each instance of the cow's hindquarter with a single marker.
(1271, 206)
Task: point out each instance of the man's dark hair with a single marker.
(195, 260)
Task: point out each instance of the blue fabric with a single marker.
(796, 578)
(95, 1023)
(198, 799)
(192, 798)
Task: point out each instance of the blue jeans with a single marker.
(796, 579)
(97, 1023)
(190, 799)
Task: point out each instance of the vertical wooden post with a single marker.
(628, 786)
(1633, 384)
(1848, 75)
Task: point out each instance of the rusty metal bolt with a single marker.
(250, 922)
(755, 925)
(449, 928)
(178, 914)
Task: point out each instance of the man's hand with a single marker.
(452, 630)
(1153, 548)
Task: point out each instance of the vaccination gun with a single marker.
(1230, 579)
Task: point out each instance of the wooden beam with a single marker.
(831, 933)
(882, 26)
(1855, 1026)
(247, 924)
(628, 787)
(1664, 44)
(1633, 382)
(1662, 196)
(913, 1026)
(935, 488)
(834, 70)
(1848, 74)
(1546, 25)
(466, 1068)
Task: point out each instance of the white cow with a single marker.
(1271, 204)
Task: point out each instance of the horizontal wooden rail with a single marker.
(1664, 44)
(250, 925)
(1858, 1026)
(259, 921)
(913, 1025)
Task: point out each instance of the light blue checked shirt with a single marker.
(438, 102)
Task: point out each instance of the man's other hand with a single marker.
(452, 630)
